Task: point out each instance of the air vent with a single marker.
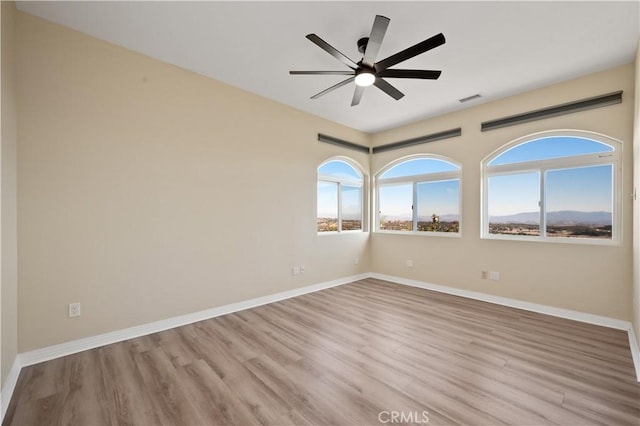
(469, 98)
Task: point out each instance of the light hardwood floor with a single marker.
(348, 355)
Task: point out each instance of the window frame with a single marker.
(613, 158)
(339, 181)
(414, 180)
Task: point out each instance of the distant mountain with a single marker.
(530, 217)
(562, 217)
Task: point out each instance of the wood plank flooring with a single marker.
(361, 354)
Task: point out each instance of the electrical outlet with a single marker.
(409, 263)
(484, 275)
(295, 270)
(74, 310)
(302, 269)
(494, 276)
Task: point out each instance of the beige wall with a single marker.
(8, 230)
(147, 191)
(587, 278)
(636, 204)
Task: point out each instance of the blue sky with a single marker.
(513, 193)
(339, 169)
(396, 201)
(419, 166)
(552, 147)
(583, 189)
(328, 201)
(440, 198)
(351, 199)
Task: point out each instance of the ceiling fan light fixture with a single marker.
(365, 78)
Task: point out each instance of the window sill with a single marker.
(422, 233)
(558, 240)
(354, 232)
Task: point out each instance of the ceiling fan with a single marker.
(367, 72)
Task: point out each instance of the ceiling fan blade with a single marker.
(357, 95)
(332, 51)
(378, 31)
(388, 89)
(321, 72)
(410, 52)
(334, 87)
(424, 74)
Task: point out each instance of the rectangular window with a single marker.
(327, 206)
(438, 206)
(396, 207)
(579, 202)
(514, 204)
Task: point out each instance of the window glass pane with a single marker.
(579, 202)
(419, 166)
(339, 169)
(351, 208)
(395, 205)
(439, 206)
(513, 204)
(552, 147)
(327, 206)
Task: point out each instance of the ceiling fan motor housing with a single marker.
(362, 44)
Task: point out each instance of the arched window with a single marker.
(420, 194)
(339, 196)
(553, 186)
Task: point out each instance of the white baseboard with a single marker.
(513, 303)
(75, 346)
(635, 351)
(9, 386)
(528, 306)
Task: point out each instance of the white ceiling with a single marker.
(493, 48)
